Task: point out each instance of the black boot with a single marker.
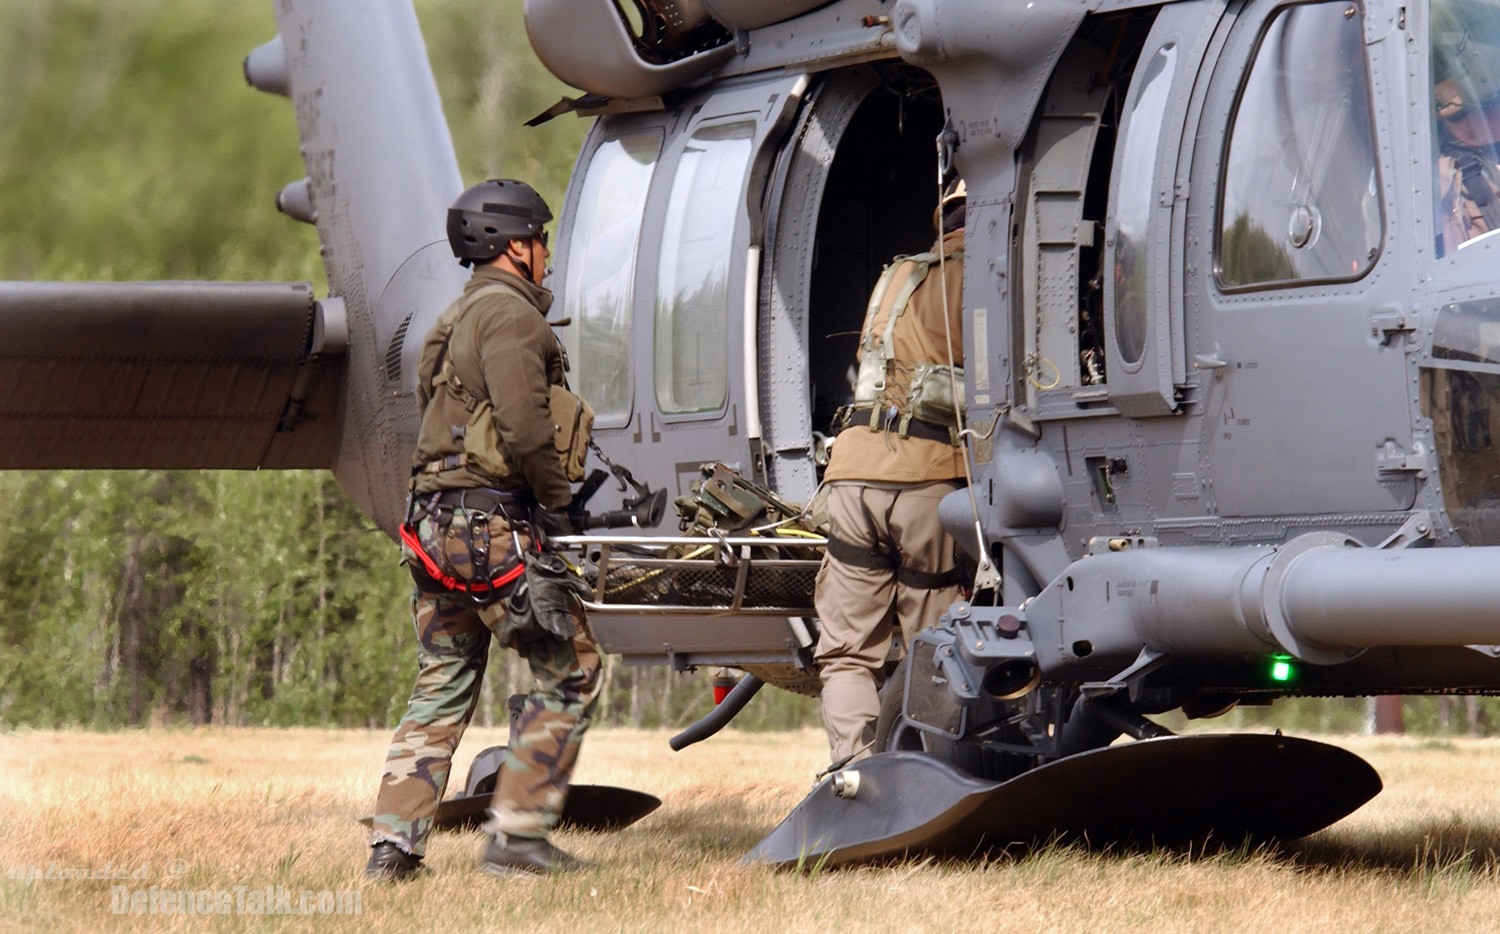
(512, 856)
(388, 861)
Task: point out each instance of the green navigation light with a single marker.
(1281, 668)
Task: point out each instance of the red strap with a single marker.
(409, 538)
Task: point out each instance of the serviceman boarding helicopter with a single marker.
(1229, 319)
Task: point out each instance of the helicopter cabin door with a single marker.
(1143, 325)
(1099, 335)
(1304, 400)
(660, 236)
(855, 186)
(659, 271)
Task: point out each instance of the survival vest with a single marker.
(572, 417)
(935, 393)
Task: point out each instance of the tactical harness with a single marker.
(884, 554)
(573, 423)
(572, 417)
(539, 587)
(935, 393)
(486, 584)
(929, 411)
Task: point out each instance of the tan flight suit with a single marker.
(504, 347)
(889, 560)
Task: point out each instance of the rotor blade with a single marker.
(164, 375)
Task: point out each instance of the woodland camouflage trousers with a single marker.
(453, 641)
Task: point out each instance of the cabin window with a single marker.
(1300, 196)
(1466, 117)
(1138, 162)
(599, 290)
(693, 287)
(1460, 392)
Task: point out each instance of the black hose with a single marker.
(1096, 724)
(719, 717)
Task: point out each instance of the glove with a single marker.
(555, 522)
(543, 607)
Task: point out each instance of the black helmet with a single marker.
(489, 215)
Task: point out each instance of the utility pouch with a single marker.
(573, 424)
(482, 450)
(870, 382)
(937, 394)
(457, 549)
(541, 607)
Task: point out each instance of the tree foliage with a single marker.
(132, 149)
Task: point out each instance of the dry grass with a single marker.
(217, 809)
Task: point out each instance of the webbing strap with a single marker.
(450, 462)
(903, 298)
(877, 295)
(872, 559)
(409, 538)
(470, 401)
(929, 580)
(906, 424)
(860, 556)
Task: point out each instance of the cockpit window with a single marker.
(600, 285)
(1466, 119)
(692, 299)
(1301, 198)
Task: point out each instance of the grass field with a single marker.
(237, 812)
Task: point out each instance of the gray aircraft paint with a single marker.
(1256, 422)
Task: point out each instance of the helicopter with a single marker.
(1229, 336)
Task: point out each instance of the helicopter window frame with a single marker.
(667, 322)
(1461, 171)
(1129, 251)
(1459, 390)
(1164, 70)
(1306, 220)
(609, 383)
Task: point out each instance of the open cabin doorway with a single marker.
(857, 186)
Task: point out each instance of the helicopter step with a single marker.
(1170, 790)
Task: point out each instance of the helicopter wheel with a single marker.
(895, 733)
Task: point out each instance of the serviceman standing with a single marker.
(898, 454)
(485, 472)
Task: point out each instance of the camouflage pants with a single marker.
(453, 642)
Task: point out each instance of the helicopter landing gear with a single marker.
(1172, 790)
